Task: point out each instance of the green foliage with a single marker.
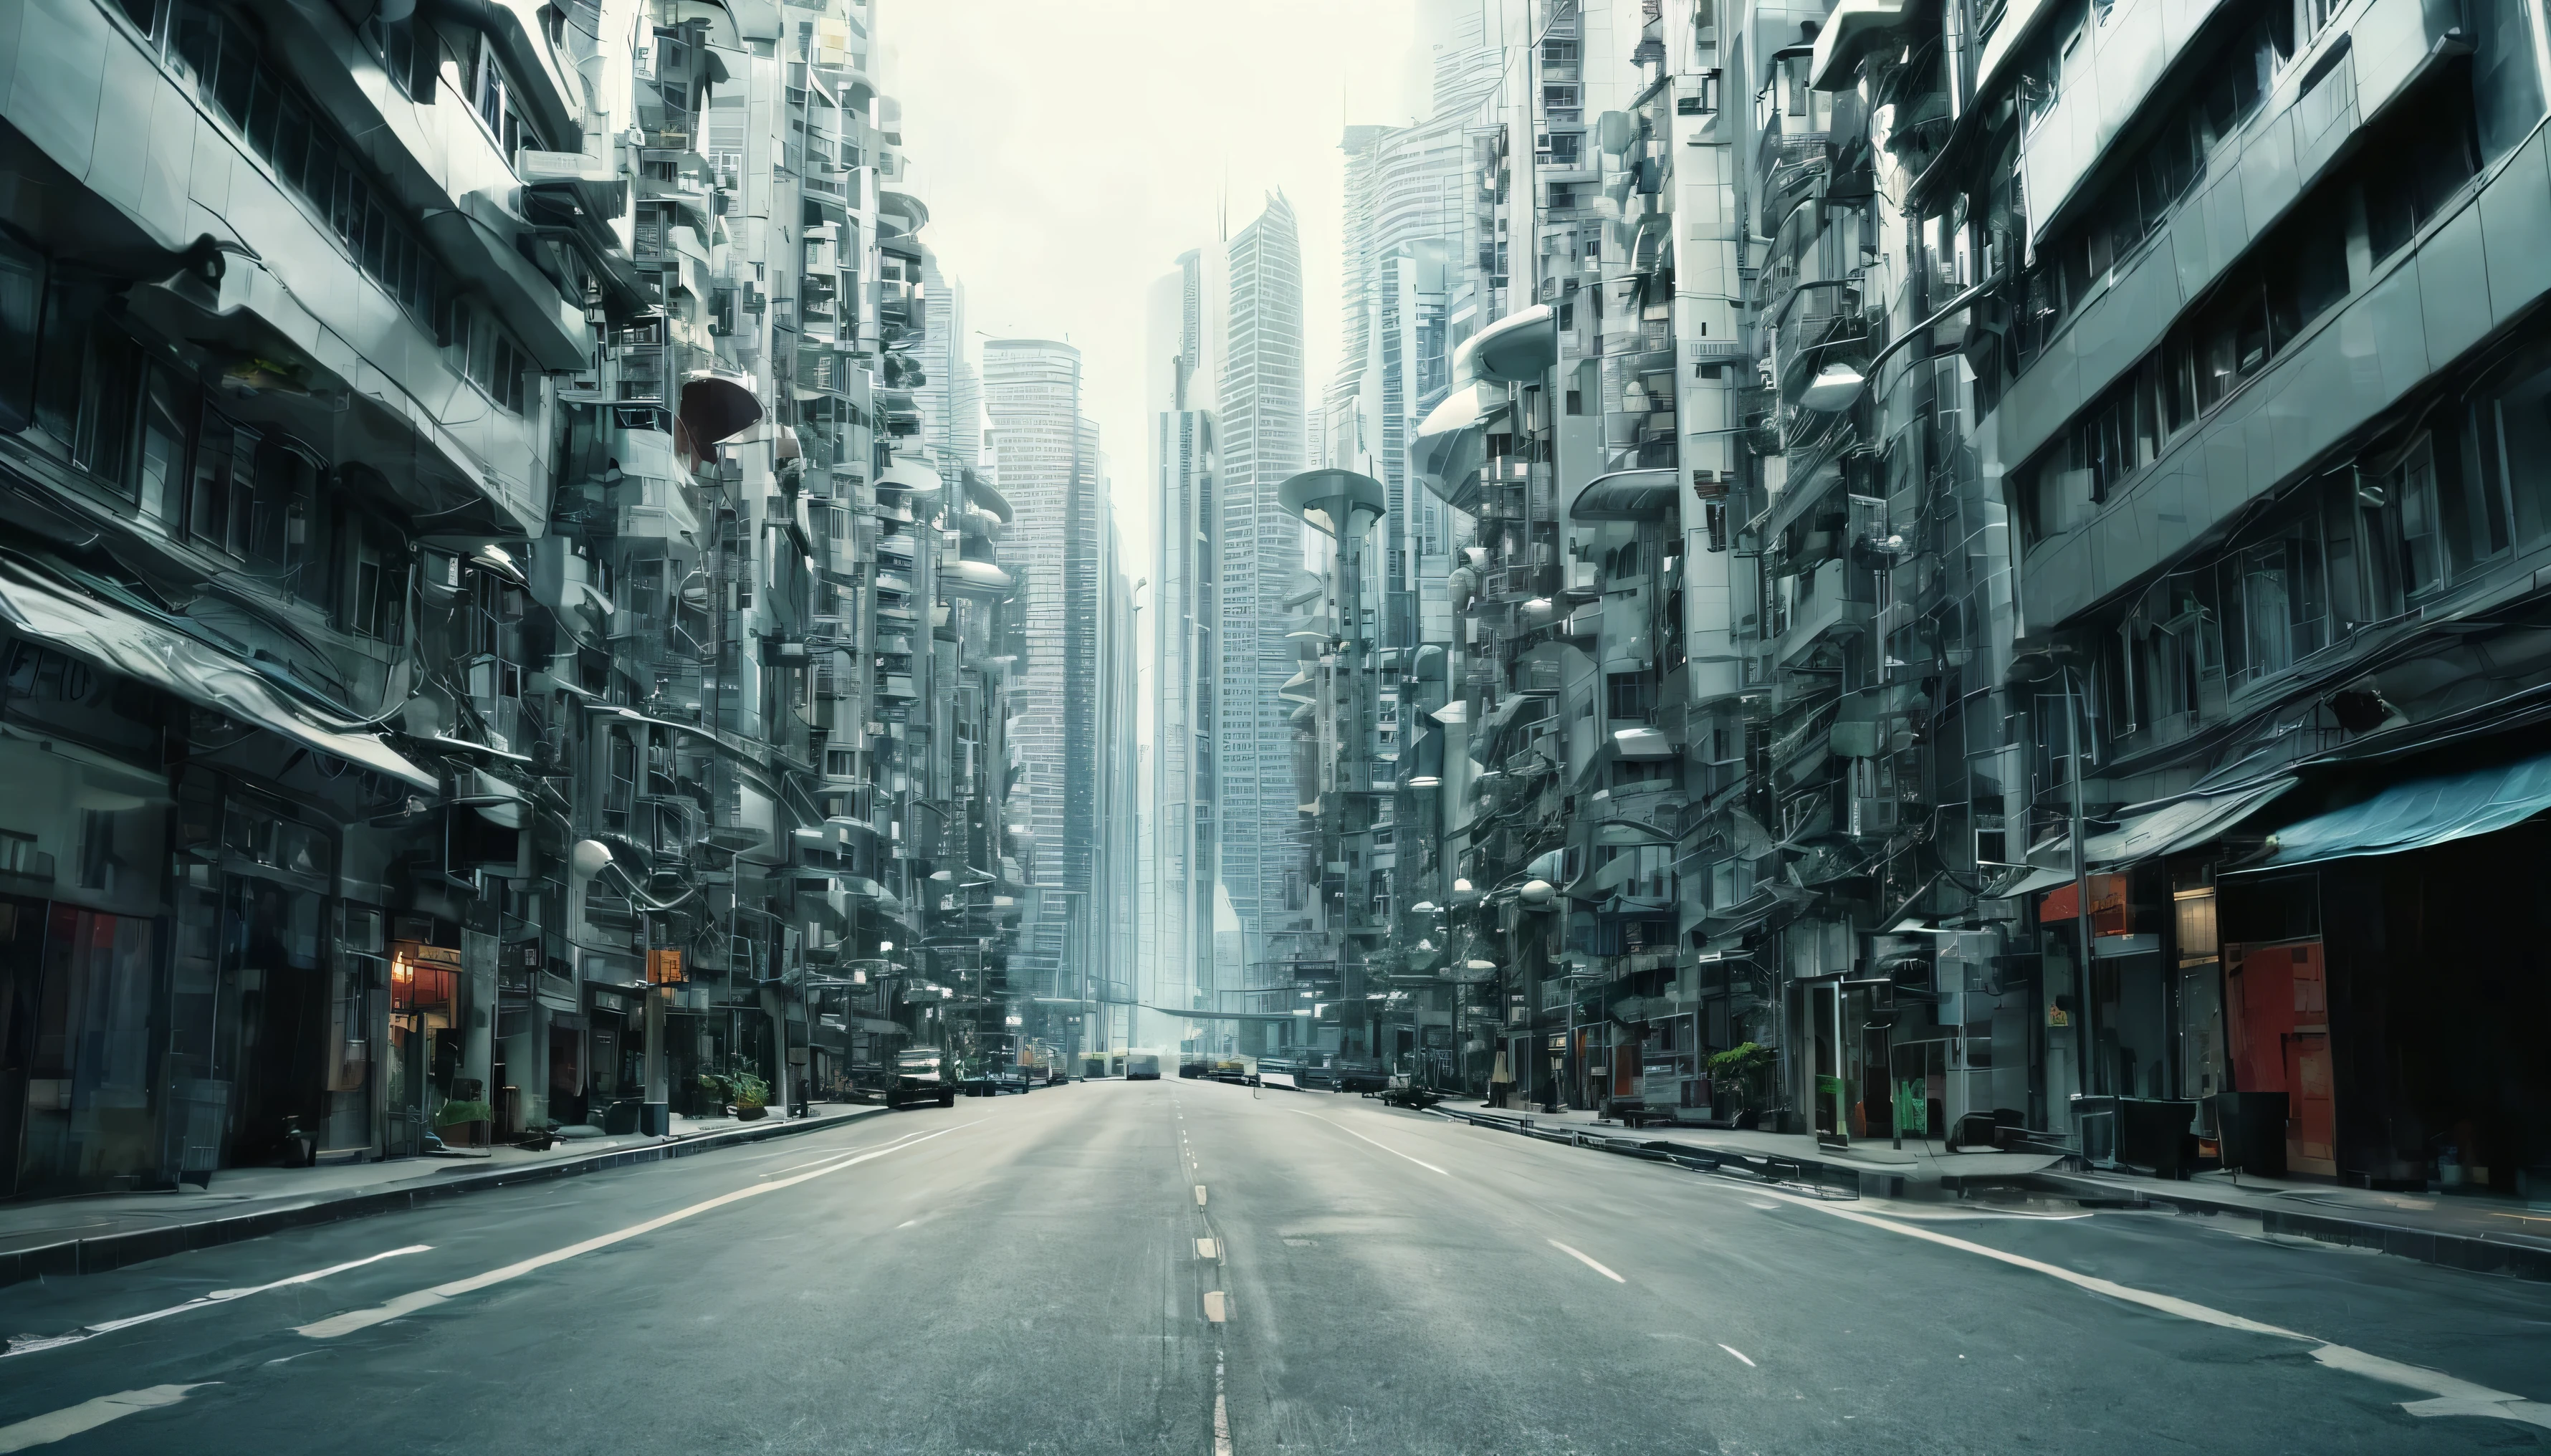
(749, 1091)
(453, 1114)
(1742, 1068)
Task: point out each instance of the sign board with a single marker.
(664, 967)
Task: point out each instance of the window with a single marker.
(1629, 696)
(491, 95)
(2275, 603)
(282, 127)
(2168, 662)
(489, 358)
(376, 581)
(221, 498)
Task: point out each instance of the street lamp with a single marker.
(2037, 667)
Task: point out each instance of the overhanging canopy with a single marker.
(121, 641)
(1452, 440)
(1849, 26)
(2418, 814)
(1515, 349)
(1627, 495)
(2177, 825)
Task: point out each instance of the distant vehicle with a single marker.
(922, 1075)
(1055, 1076)
(994, 1080)
(1141, 1066)
(1193, 1066)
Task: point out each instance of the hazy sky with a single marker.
(1070, 152)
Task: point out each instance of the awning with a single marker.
(498, 802)
(1627, 495)
(1515, 349)
(2032, 883)
(973, 579)
(121, 641)
(1849, 26)
(716, 407)
(2418, 814)
(981, 492)
(1643, 743)
(1452, 440)
(909, 475)
(2175, 826)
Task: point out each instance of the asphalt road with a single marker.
(1026, 1275)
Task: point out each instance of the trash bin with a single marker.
(2253, 1128)
(620, 1119)
(2155, 1133)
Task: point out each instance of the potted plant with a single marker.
(463, 1124)
(1739, 1070)
(751, 1095)
(714, 1091)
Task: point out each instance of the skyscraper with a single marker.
(1263, 443)
(1044, 457)
(1180, 866)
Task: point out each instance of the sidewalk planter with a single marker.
(751, 1112)
(463, 1124)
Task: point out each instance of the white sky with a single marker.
(1070, 150)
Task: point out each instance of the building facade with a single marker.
(1989, 582)
(506, 659)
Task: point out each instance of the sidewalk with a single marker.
(2479, 1233)
(86, 1234)
(1878, 1168)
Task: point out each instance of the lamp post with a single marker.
(2037, 667)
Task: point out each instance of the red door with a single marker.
(2279, 1011)
(2312, 1128)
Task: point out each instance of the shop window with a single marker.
(221, 506)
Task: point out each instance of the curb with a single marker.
(135, 1246)
(2471, 1253)
(2467, 1252)
(1795, 1175)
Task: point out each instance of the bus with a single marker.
(1141, 1066)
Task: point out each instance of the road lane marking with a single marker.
(1213, 1311)
(1205, 1249)
(1221, 1412)
(70, 1421)
(409, 1304)
(1589, 1263)
(206, 1302)
(2447, 1395)
(1385, 1147)
(1739, 1354)
(1199, 1188)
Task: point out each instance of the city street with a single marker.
(1190, 1267)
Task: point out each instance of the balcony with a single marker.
(1829, 605)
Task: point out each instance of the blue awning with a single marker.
(2419, 815)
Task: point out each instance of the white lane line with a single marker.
(409, 1304)
(206, 1302)
(1589, 1263)
(2447, 1395)
(1385, 1147)
(1207, 1249)
(1221, 1412)
(1739, 1354)
(1213, 1307)
(1199, 1188)
(70, 1421)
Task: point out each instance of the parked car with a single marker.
(922, 1075)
